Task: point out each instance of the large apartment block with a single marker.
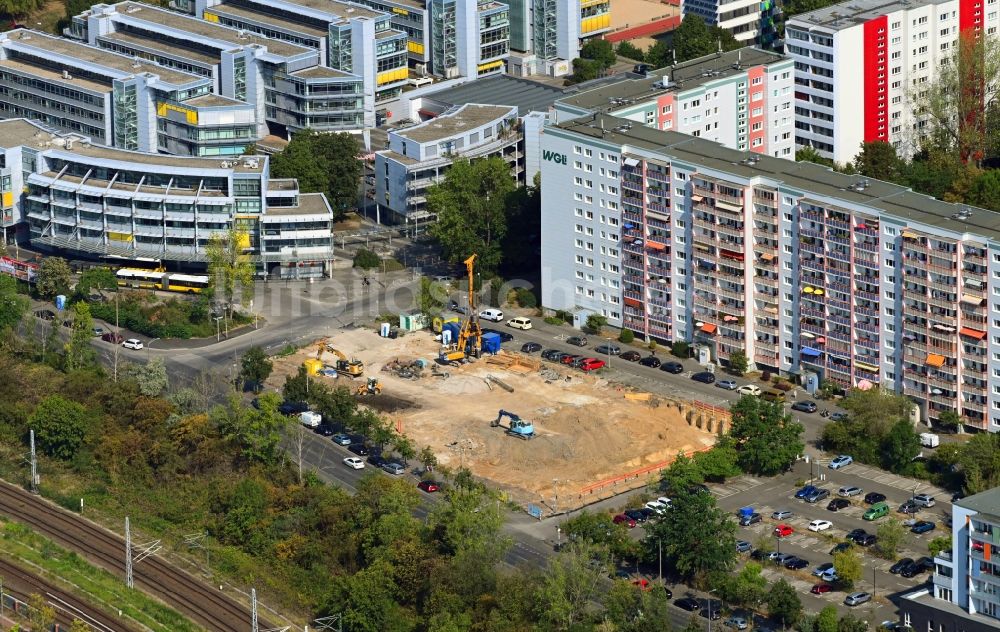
(551, 30)
(91, 200)
(118, 100)
(859, 65)
(742, 99)
(807, 271)
(964, 593)
(749, 21)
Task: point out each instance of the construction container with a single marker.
(414, 321)
(491, 343)
(454, 328)
(313, 366)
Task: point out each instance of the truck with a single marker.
(310, 419)
(929, 440)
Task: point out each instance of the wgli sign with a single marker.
(552, 156)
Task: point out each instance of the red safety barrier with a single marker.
(634, 474)
(656, 27)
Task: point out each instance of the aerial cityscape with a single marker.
(500, 315)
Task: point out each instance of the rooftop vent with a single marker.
(133, 9)
(861, 184)
(243, 35)
(66, 75)
(962, 215)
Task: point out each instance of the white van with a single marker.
(310, 419)
(929, 440)
(491, 314)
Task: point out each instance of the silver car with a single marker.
(924, 500)
(393, 468)
(738, 623)
(849, 491)
(857, 598)
(781, 514)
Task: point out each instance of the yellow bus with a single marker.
(156, 280)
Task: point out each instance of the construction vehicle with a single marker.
(516, 428)
(373, 387)
(343, 366)
(470, 336)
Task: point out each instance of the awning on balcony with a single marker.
(908, 235)
(697, 198)
(934, 359)
(633, 302)
(809, 352)
(806, 334)
(656, 246)
(631, 162)
(767, 257)
(972, 333)
(870, 368)
(970, 299)
(728, 206)
(708, 328)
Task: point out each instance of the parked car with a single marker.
(924, 500)
(830, 575)
(837, 504)
(519, 323)
(782, 514)
(807, 406)
(822, 568)
(795, 563)
(746, 521)
(113, 337)
(636, 515)
(857, 598)
(704, 377)
(625, 520)
(649, 513)
(570, 358)
(909, 507)
(712, 613)
(631, 356)
(656, 506)
(375, 459)
(429, 486)
(46, 314)
(98, 331)
(816, 496)
(505, 336)
(729, 385)
(293, 408)
(820, 525)
(841, 461)
(855, 533)
(898, 567)
(805, 491)
(921, 565)
(821, 589)
(749, 389)
(742, 546)
(849, 491)
(672, 367)
(530, 347)
(783, 530)
(737, 623)
(133, 343)
(839, 417)
(324, 430)
(866, 540)
(494, 315)
(591, 364)
(840, 548)
(354, 463)
(608, 349)
(874, 497)
(577, 341)
(392, 467)
(923, 526)
(358, 448)
(688, 603)
(310, 419)
(651, 361)
(554, 355)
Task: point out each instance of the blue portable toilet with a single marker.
(491, 343)
(61, 302)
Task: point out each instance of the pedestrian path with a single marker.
(912, 485)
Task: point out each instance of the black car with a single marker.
(759, 554)
(866, 540)
(358, 448)
(922, 565)
(796, 563)
(649, 513)
(375, 459)
(898, 567)
(636, 515)
(530, 347)
(855, 533)
(909, 507)
(505, 336)
(631, 356)
(577, 341)
(324, 430)
(674, 367)
(807, 406)
(704, 377)
(840, 548)
(688, 603)
(746, 521)
(874, 497)
(712, 613)
(651, 361)
(837, 504)
(552, 354)
(293, 408)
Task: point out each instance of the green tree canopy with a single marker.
(230, 270)
(59, 425)
(847, 565)
(767, 440)
(783, 603)
(323, 163)
(471, 206)
(599, 50)
(255, 367)
(366, 259)
(900, 445)
(692, 552)
(95, 279)
(878, 159)
(810, 154)
(631, 51)
(13, 306)
(985, 191)
(151, 378)
(694, 38)
(738, 362)
(53, 277)
(892, 536)
(255, 431)
(80, 353)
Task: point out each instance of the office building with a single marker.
(742, 99)
(551, 30)
(859, 67)
(964, 593)
(90, 200)
(749, 21)
(287, 84)
(809, 272)
(420, 155)
(118, 100)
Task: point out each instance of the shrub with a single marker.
(366, 259)
(596, 322)
(564, 316)
(553, 320)
(680, 349)
(626, 336)
(525, 298)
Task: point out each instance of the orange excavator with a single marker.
(470, 336)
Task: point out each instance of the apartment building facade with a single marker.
(964, 593)
(743, 99)
(91, 200)
(861, 66)
(809, 272)
(118, 100)
(749, 21)
(551, 30)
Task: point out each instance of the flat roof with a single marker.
(856, 12)
(282, 184)
(215, 100)
(19, 131)
(169, 19)
(891, 199)
(99, 56)
(684, 76)
(340, 9)
(309, 204)
(320, 72)
(156, 46)
(468, 117)
(54, 76)
(987, 502)
(528, 96)
(259, 15)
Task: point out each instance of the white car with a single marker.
(519, 323)
(663, 500)
(133, 343)
(656, 506)
(354, 463)
(749, 389)
(820, 525)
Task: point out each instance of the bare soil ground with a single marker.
(586, 430)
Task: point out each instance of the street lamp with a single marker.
(217, 335)
(555, 494)
(710, 593)
(148, 345)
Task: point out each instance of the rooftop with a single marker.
(528, 96)
(54, 76)
(19, 131)
(466, 118)
(684, 76)
(886, 197)
(856, 12)
(260, 15)
(157, 46)
(419, 5)
(206, 30)
(320, 72)
(340, 9)
(85, 53)
(215, 100)
(309, 204)
(987, 502)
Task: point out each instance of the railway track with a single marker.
(21, 583)
(178, 589)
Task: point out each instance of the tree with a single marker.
(596, 529)
(693, 39)
(323, 163)
(767, 440)
(659, 54)
(848, 567)
(626, 336)
(18, 8)
(470, 204)
(738, 362)
(783, 603)
(980, 461)
(431, 297)
(59, 425)
(150, 377)
(599, 50)
(851, 623)
(878, 159)
(826, 620)
(255, 367)
(939, 544)
(747, 589)
(719, 463)
(13, 306)
(892, 536)
(596, 322)
(256, 432)
(230, 270)
(79, 352)
(427, 458)
(366, 259)
(680, 349)
(985, 191)
(692, 552)
(585, 70)
(871, 414)
(99, 279)
(53, 277)
(569, 586)
(809, 154)
(900, 445)
(949, 420)
(41, 615)
(629, 50)
(76, 625)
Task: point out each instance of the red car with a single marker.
(820, 589)
(641, 583)
(623, 519)
(569, 359)
(783, 530)
(591, 364)
(429, 486)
